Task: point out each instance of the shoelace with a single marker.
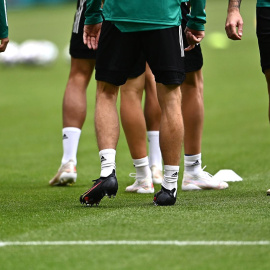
(207, 173)
(133, 175)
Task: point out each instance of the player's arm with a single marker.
(93, 22)
(3, 26)
(234, 21)
(195, 26)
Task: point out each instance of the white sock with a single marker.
(142, 167)
(107, 159)
(193, 164)
(155, 157)
(170, 177)
(71, 137)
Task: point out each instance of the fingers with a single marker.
(231, 31)
(86, 40)
(94, 42)
(192, 40)
(90, 41)
(91, 35)
(240, 29)
(3, 45)
(234, 26)
(189, 48)
(97, 39)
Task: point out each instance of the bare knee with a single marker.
(82, 69)
(169, 96)
(106, 91)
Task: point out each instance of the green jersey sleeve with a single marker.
(197, 16)
(263, 3)
(93, 13)
(3, 20)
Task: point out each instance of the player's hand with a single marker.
(193, 37)
(4, 43)
(91, 35)
(234, 25)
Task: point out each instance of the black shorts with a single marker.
(263, 34)
(119, 53)
(77, 48)
(193, 58)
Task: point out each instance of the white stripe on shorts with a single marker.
(181, 41)
(78, 17)
(5, 6)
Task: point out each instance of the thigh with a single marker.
(263, 34)
(164, 53)
(77, 48)
(116, 55)
(193, 58)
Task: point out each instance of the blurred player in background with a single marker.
(3, 26)
(234, 30)
(194, 178)
(75, 101)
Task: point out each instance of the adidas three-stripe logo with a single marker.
(102, 158)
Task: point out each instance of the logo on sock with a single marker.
(102, 158)
(196, 163)
(174, 174)
(65, 137)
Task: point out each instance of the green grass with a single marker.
(236, 136)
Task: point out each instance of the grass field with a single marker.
(236, 136)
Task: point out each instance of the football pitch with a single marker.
(47, 228)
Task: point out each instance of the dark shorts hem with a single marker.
(194, 68)
(265, 68)
(177, 81)
(112, 77)
(82, 55)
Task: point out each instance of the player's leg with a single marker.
(166, 60)
(193, 111)
(263, 35)
(74, 101)
(132, 117)
(107, 134)
(133, 123)
(116, 55)
(74, 113)
(193, 114)
(171, 137)
(75, 106)
(267, 76)
(152, 113)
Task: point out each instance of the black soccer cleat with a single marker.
(104, 186)
(165, 197)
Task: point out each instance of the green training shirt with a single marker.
(3, 19)
(263, 3)
(142, 15)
